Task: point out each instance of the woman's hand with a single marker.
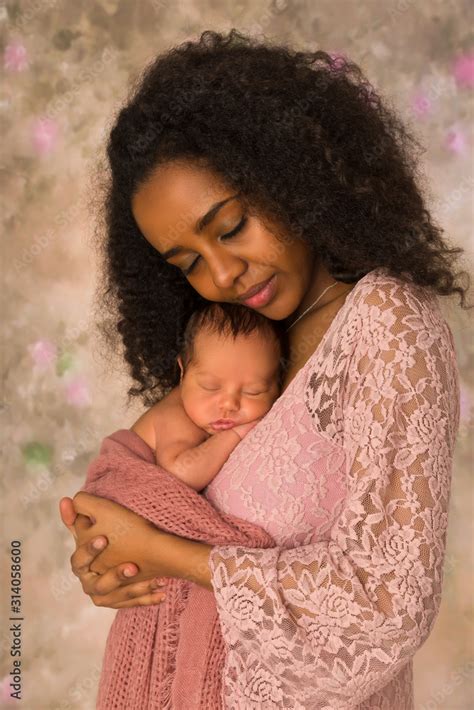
(114, 587)
(130, 537)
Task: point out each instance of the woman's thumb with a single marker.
(68, 514)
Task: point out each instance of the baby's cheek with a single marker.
(201, 412)
(260, 408)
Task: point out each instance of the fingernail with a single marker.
(128, 572)
(98, 544)
(156, 584)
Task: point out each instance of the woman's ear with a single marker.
(180, 363)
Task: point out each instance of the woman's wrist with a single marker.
(188, 559)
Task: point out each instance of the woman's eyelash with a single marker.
(229, 235)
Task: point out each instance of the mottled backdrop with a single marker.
(67, 67)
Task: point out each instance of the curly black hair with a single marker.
(310, 147)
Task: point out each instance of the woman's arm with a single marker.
(347, 614)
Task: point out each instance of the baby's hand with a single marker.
(243, 429)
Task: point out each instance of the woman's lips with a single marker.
(262, 297)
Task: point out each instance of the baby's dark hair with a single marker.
(232, 320)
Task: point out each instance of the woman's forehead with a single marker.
(175, 197)
(180, 185)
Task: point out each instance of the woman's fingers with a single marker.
(75, 522)
(68, 514)
(116, 579)
(107, 595)
(85, 554)
(82, 522)
(86, 502)
(144, 593)
(152, 598)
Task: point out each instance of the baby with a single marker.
(232, 367)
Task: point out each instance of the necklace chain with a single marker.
(312, 305)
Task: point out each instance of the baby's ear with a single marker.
(180, 363)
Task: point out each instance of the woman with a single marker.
(247, 172)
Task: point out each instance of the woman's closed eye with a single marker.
(229, 235)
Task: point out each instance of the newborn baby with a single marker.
(231, 372)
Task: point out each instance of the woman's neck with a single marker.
(320, 280)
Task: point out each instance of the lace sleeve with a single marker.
(330, 623)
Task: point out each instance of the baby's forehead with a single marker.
(255, 354)
(265, 344)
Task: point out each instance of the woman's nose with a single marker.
(225, 268)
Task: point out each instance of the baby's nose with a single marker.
(230, 403)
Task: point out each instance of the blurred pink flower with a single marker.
(43, 353)
(14, 57)
(77, 392)
(339, 57)
(45, 132)
(456, 140)
(5, 697)
(421, 104)
(463, 69)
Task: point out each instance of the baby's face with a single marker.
(234, 380)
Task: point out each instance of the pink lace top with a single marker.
(350, 473)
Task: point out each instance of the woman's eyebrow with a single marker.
(200, 224)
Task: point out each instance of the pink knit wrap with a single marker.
(170, 655)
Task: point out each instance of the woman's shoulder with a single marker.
(395, 305)
(391, 331)
(382, 312)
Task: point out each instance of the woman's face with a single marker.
(223, 251)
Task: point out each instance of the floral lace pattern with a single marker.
(350, 473)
